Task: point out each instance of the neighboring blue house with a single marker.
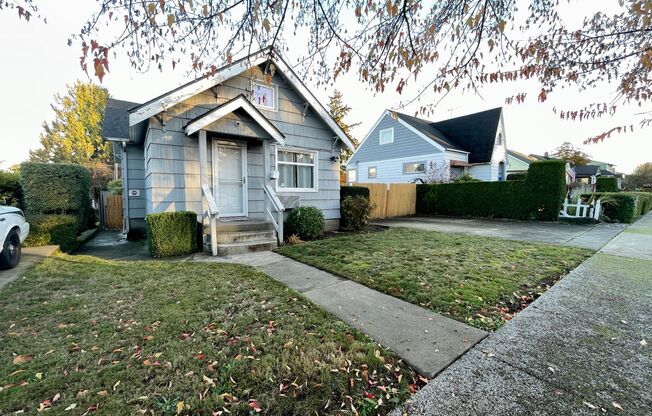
(401, 148)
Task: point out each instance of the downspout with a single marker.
(125, 190)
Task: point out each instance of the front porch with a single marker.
(241, 211)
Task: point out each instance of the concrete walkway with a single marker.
(581, 348)
(29, 257)
(112, 245)
(427, 341)
(583, 236)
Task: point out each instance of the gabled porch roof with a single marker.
(239, 102)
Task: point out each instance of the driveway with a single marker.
(583, 236)
(29, 257)
(580, 349)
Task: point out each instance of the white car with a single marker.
(13, 231)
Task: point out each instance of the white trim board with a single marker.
(178, 95)
(229, 107)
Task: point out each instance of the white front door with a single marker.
(230, 178)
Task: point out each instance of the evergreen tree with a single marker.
(339, 111)
(75, 134)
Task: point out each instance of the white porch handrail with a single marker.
(213, 215)
(272, 200)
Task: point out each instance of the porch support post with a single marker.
(203, 180)
(266, 161)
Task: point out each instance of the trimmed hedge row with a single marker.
(11, 193)
(623, 206)
(516, 176)
(61, 229)
(538, 197)
(172, 233)
(606, 184)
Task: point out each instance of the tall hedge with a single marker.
(11, 193)
(57, 189)
(606, 184)
(538, 197)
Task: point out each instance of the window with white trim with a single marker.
(352, 176)
(297, 170)
(386, 136)
(372, 172)
(264, 96)
(414, 167)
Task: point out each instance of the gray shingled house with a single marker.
(240, 147)
(400, 148)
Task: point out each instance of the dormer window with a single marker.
(264, 96)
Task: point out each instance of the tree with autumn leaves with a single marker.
(433, 48)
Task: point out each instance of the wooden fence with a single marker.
(393, 199)
(111, 211)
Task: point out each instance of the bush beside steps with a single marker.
(171, 233)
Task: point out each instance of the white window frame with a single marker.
(375, 175)
(315, 171)
(380, 136)
(421, 162)
(274, 88)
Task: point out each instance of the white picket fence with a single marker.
(580, 210)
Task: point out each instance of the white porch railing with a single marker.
(213, 216)
(580, 210)
(272, 201)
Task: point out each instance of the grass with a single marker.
(476, 280)
(124, 338)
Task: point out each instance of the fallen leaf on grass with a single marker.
(103, 393)
(591, 406)
(616, 405)
(115, 386)
(72, 406)
(643, 343)
(254, 405)
(22, 359)
(39, 375)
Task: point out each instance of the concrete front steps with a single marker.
(242, 236)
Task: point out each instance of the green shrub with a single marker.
(516, 176)
(172, 233)
(606, 184)
(57, 188)
(11, 192)
(355, 212)
(353, 191)
(115, 187)
(538, 197)
(306, 222)
(49, 229)
(466, 178)
(624, 207)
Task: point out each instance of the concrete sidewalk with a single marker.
(29, 257)
(427, 341)
(581, 348)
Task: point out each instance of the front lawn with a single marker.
(476, 280)
(124, 338)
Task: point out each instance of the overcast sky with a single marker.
(36, 63)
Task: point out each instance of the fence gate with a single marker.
(392, 200)
(111, 211)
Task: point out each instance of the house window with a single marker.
(264, 96)
(416, 167)
(297, 170)
(352, 176)
(372, 172)
(386, 136)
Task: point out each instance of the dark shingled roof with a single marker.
(587, 170)
(428, 129)
(605, 172)
(474, 133)
(116, 119)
